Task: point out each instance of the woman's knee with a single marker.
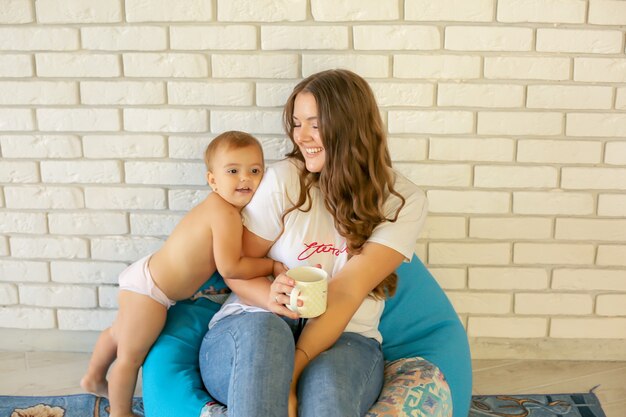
(251, 338)
(343, 381)
(248, 356)
(264, 339)
(264, 326)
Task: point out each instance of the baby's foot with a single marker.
(97, 387)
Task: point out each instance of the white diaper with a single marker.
(137, 278)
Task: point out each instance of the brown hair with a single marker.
(357, 177)
(233, 139)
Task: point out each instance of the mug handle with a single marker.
(293, 299)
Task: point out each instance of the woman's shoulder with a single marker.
(283, 173)
(414, 197)
(407, 189)
(287, 166)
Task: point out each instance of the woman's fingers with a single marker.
(284, 279)
(279, 293)
(285, 299)
(282, 285)
(284, 311)
(282, 289)
(278, 307)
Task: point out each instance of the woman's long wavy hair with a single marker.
(357, 177)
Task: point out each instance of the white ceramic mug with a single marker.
(311, 287)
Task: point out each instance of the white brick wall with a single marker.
(16, 119)
(122, 92)
(16, 65)
(527, 68)
(276, 38)
(146, 38)
(330, 10)
(41, 146)
(439, 66)
(413, 38)
(542, 11)
(23, 271)
(511, 115)
(603, 12)
(261, 11)
(79, 119)
(481, 38)
(41, 38)
(27, 318)
(83, 11)
(16, 11)
(8, 294)
(508, 278)
(38, 92)
(165, 120)
(451, 10)
(58, 296)
(582, 41)
(77, 65)
(600, 69)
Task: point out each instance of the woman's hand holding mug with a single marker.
(300, 292)
(281, 287)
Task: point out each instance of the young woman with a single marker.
(335, 202)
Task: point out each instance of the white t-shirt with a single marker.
(310, 237)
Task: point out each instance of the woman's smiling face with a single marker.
(306, 132)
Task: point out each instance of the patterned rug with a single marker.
(85, 405)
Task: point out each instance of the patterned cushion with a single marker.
(413, 387)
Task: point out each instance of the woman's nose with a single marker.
(304, 134)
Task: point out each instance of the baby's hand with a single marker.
(279, 268)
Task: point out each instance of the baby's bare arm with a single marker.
(227, 234)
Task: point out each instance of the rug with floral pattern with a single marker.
(86, 405)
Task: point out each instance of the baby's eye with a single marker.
(256, 171)
(232, 171)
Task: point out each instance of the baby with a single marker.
(208, 238)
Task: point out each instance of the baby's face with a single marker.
(237, 174)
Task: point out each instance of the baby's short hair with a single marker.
(233, 139)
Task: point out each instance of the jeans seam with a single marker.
(368, 378)
(236, 364)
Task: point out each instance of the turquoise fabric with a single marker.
(172, 386)
(418, 321)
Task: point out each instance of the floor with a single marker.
(58, 373)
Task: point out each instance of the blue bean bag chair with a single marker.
(418, 322)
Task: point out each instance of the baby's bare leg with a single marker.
(103, 355)
(140, 320)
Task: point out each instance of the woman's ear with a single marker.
(210, 179)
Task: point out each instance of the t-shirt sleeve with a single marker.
(262, 216)
(402, 234)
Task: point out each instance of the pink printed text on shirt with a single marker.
(312, 248)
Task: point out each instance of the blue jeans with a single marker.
(246, 362)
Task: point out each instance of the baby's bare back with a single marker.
(186, 259)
